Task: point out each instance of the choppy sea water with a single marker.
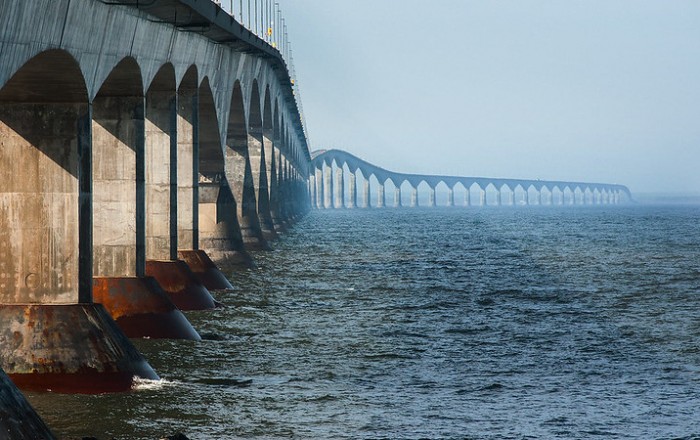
(445, 323)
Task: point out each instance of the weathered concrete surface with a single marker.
(39, 203)
(205, 270)
(18, 420)
(68, 348)
(183, 287)
(117, 132)
(141, 308)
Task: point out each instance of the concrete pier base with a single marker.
(180, 283)
(75, 348)
(141, 308)
(204, 269)
(17, 417)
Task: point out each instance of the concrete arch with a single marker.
(161, 165)
(238, 170)
(256, 153)
(118, 137)
(218, 229)
(46, 183)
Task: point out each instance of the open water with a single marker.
(446, 323)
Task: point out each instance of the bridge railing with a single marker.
(265, 19)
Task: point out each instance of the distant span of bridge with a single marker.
(334, 184)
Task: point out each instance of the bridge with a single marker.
(334, 184)
(143, 144)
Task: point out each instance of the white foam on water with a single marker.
(150, 384)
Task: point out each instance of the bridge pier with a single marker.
(352, 187)
(312, 191)
(339, 188)
(498, 197)
(431, 197)
(368, 203)
(381, 199)
(318, 179)
(51, 330)
(450, 197)
(327, 187)
(397, 197)
(414, 196)
(18, 420)
(467, 198)
(482, 197)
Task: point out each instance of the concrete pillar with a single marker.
(318, 174)
(380, 196)
(258, 169)
(467, 198)
(19, 420)
(118, 195)
(327, 186)
(187, 168)
(498, 197)
(511, 198)
(339, 188)
(431, 200)
(397, 197)
(312, 190)
(352, 187)
(450, 197)
(274, 183)
(52, 335)
(161, 175)
(368, 203)
(539, 197)
(414, 196)
(482, 197)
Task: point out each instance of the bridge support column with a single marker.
(511, 198)
(397, 197)
(19, 420)
(450, 197)
(352, 187)
(339, 188)
(137, 304)
(431, 200)
(414, 196)
(467, 198)
(368, 203)
(482, 197)
(380, 196)
(312, 190)
(539, 197)
(327, 187)
(318, 174)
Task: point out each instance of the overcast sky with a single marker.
(601, 90)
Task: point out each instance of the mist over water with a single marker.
(452, 323)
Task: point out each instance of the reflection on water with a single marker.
(486, 323)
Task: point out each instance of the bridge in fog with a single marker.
(338, 176)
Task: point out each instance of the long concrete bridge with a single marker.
(139, 141)
(143, 145)
(339, 176)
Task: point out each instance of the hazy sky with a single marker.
(602, 90)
